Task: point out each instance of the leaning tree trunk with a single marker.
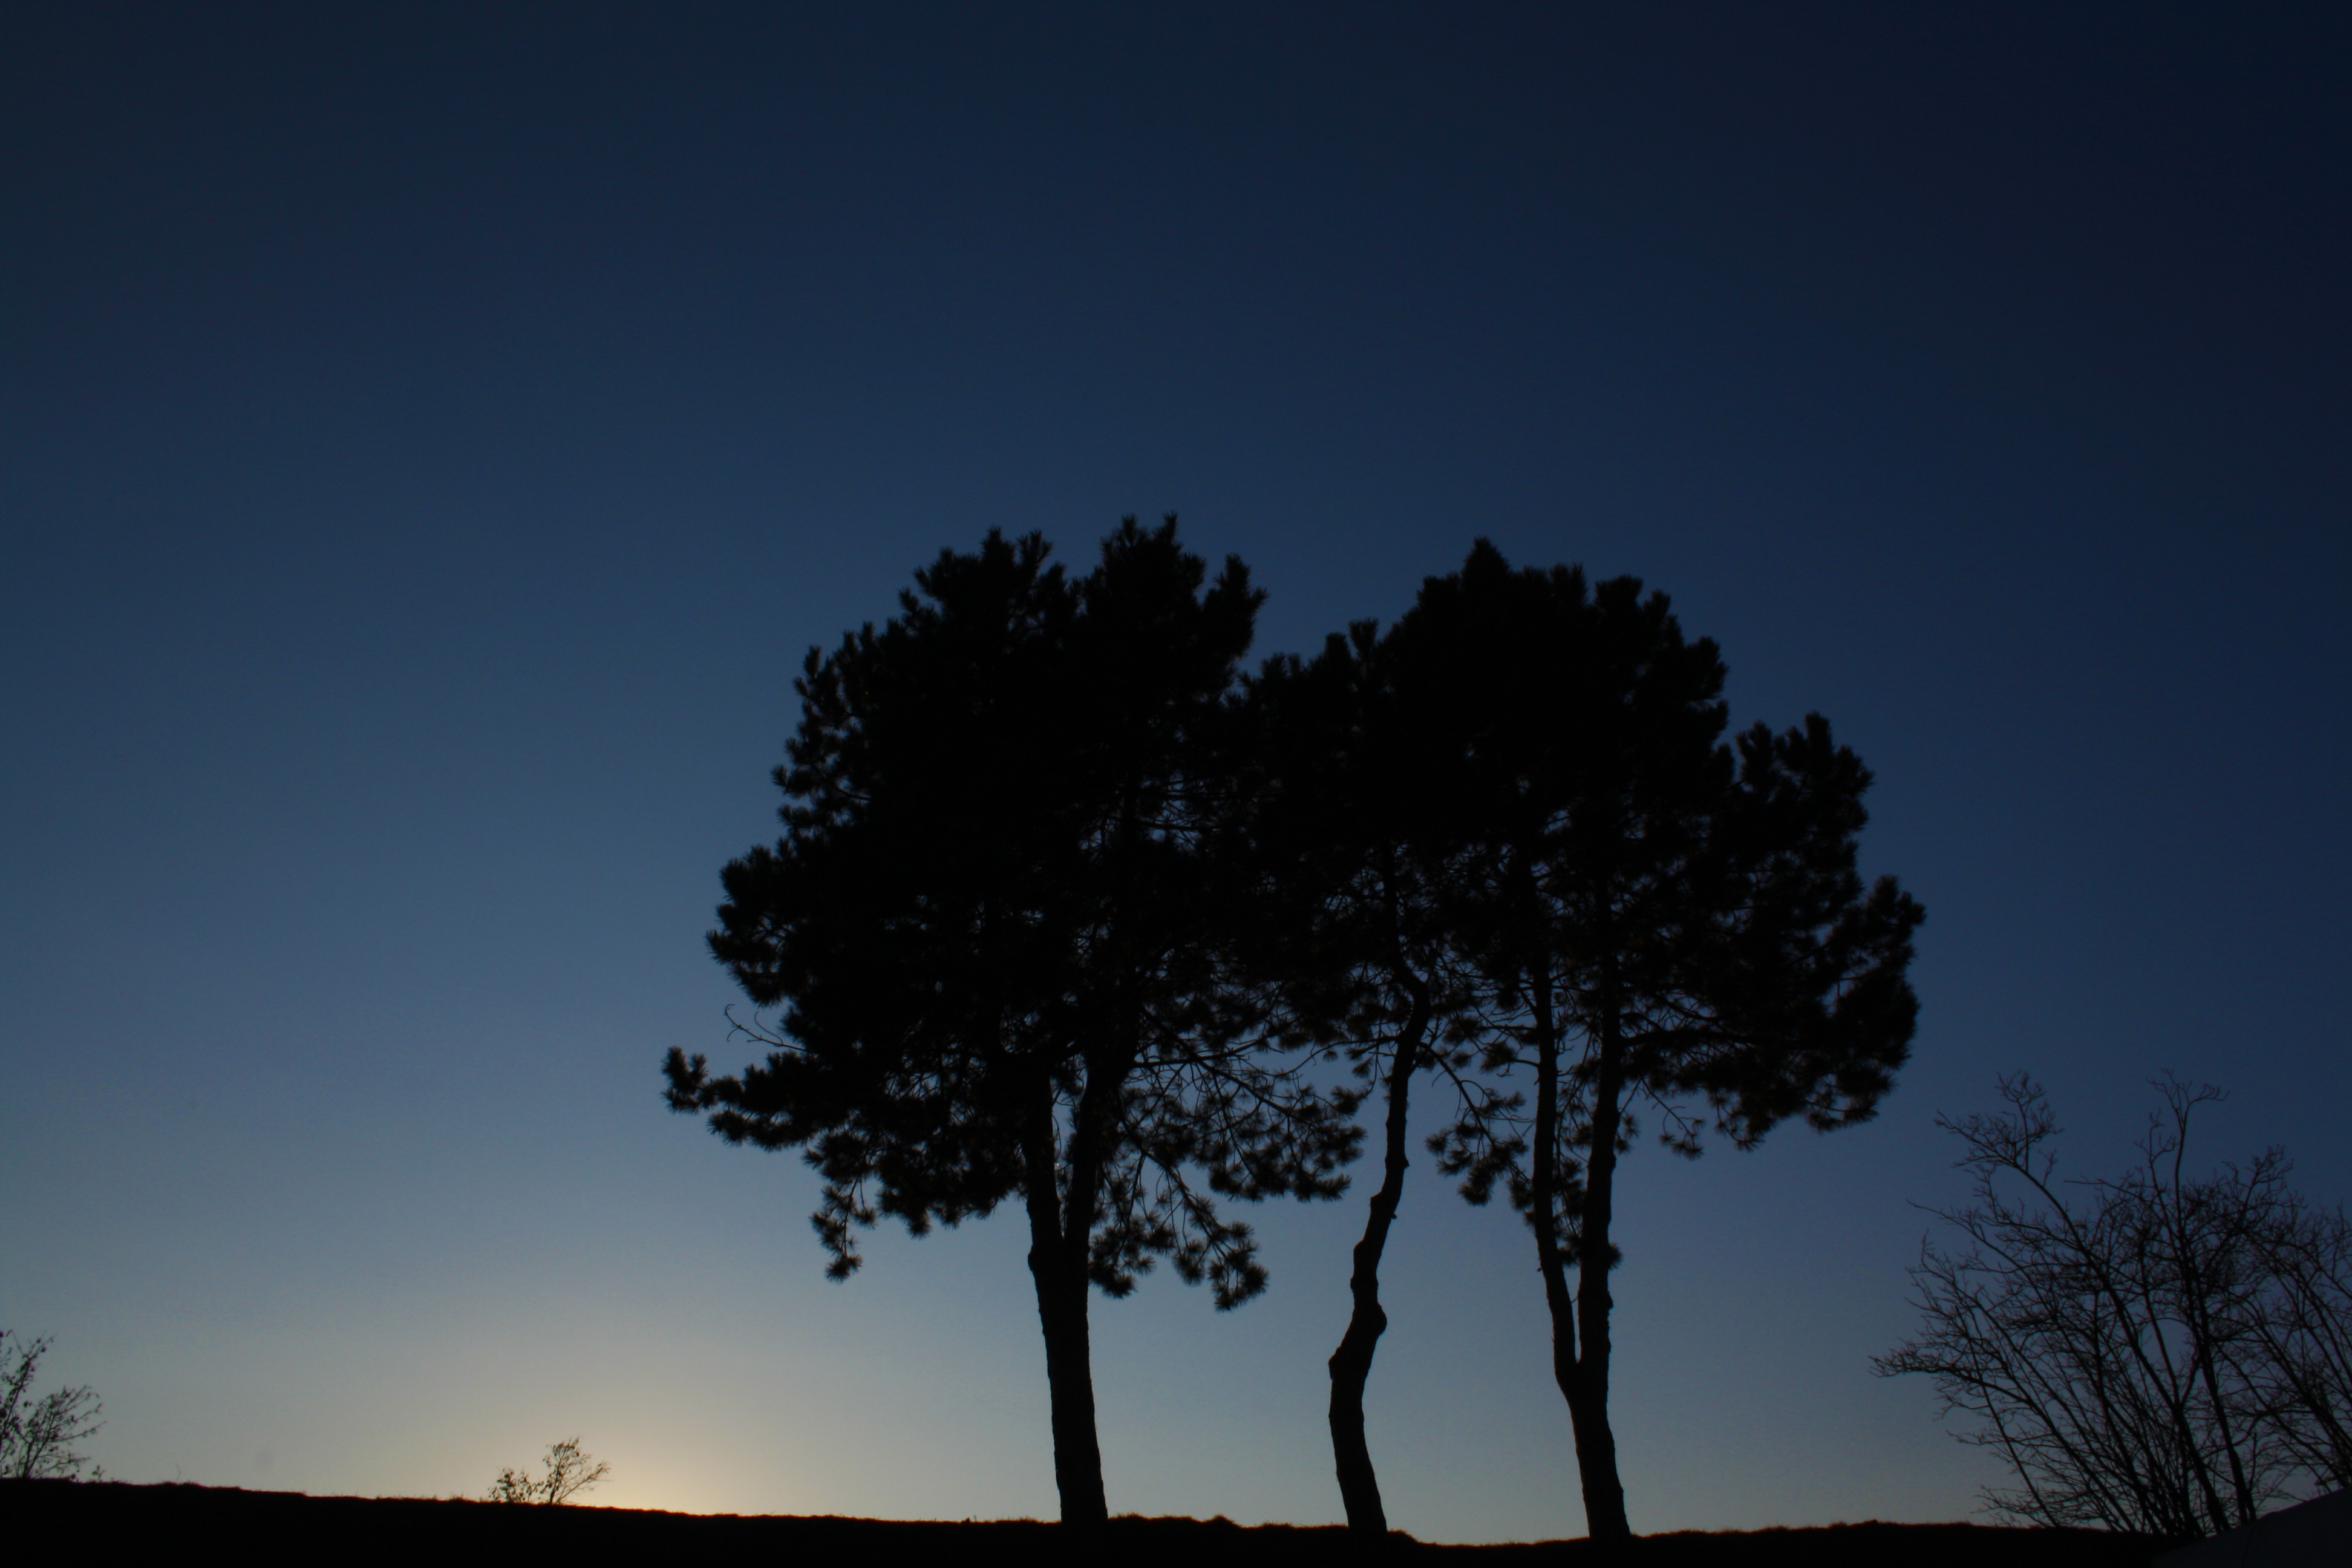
(1596, 1442)
(1058, 1265)
(1352, 1363)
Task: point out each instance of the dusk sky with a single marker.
(432, 436)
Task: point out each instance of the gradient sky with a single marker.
(431, 438)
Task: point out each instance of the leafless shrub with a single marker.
(2154, 1351)
(568, 1471)
(2304, 1371)
(37, 1440)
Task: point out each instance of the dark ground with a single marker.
(110, 1520)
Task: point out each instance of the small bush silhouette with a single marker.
(569, 1471)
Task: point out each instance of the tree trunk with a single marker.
(1588, 1407)
(1058, 1265)
(1580, 1368)
(1352, 1363)
(1069, 1379)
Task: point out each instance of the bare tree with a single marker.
(37, 1440)
(2156, 1351)
(2302, 1369)
(568, 1471)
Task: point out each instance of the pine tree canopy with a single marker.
(1691, 906)
(1000, 930)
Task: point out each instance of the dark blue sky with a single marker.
(431, 437)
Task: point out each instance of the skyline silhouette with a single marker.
(435, 436)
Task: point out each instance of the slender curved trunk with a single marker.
(1596, 1442)
(1058, 1265)
(1352, 1363)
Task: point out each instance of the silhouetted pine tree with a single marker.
(1665, 927)
(1001, 925)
